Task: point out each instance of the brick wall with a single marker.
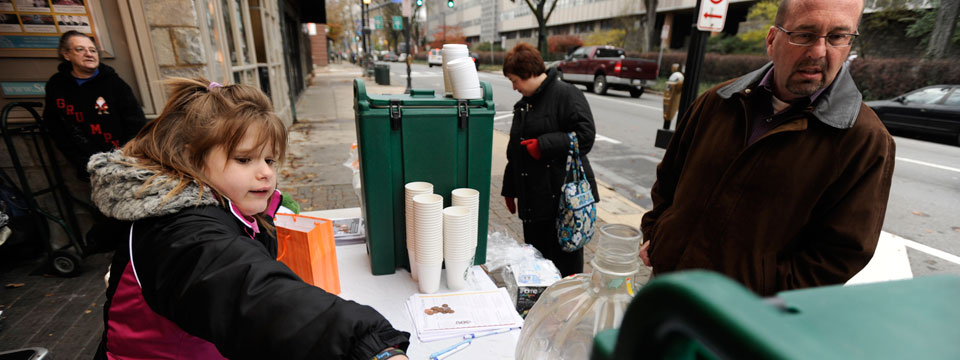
(318, 46)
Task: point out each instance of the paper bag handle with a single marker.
(282, 246)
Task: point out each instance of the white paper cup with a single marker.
(412, 256)
(456, 274)
(412, 189)
(476, 93)
(429, 275)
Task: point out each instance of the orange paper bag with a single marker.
(306, 245)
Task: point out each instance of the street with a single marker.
(924, 198)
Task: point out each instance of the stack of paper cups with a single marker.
(428, 214)
(464, 79)
(469, 198)
(410, 190)
(459, 245)
(452, 52)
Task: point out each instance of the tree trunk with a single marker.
(650, 26)
(942, 35)
(542, 28)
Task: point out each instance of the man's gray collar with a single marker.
(838, 105)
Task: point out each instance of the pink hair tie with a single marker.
(213, 84)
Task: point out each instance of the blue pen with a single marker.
(488, 333)
(443, 354)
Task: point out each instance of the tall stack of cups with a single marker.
(428, 220)
(469, 198)
(410, 190)
(458, 248)
(449, 53)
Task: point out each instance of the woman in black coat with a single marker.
(537, 151)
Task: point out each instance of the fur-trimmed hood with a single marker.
(115, 185)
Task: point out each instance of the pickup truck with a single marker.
(606, 67)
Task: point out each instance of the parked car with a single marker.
(434, 58)
(606, 67)
(390, 56)
(932, 110)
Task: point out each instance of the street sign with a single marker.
(378, 22)
(372, 23)
(405, 8)
(665, 33)
(713, 13)
(398, 23)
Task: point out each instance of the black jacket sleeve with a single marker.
(227, 289)
(131, 115)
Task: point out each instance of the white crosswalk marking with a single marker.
(609, 140)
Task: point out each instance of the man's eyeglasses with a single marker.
(803, 38)
(80, 50)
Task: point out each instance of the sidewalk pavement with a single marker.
(319, 144)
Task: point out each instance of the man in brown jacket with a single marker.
(778, 179)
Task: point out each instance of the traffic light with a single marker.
(419, 2)
(450, 4)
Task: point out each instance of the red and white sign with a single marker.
(405, 8)
(713, 13)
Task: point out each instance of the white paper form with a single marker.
(473, 311)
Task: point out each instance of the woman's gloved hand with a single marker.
(533, 147)
(511, 205)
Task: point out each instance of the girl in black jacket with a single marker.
(537, 151)
(196, 276)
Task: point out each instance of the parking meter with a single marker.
(671, 104)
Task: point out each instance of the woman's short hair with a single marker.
(524, 61)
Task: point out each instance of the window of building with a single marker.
(560, 30)
(236, 23)
(525, 33)
(606, 24)
(584, 27)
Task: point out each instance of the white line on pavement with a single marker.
(649, 158)
(625, 102)
(928, 164)
(929, 250)
(504, 116)
(604, 138)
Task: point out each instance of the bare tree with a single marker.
(537, 7)
(941, 38)
(651, 23)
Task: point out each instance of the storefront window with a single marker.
(238, 12)
(228, 27)
(215, 57)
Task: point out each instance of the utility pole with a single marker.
(363, 30)
(691, 80)
(405, 12)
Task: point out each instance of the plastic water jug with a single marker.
(571, 311)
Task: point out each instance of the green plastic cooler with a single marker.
(703, 315)
(419, 136)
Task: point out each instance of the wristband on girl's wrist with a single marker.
(388, 353)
